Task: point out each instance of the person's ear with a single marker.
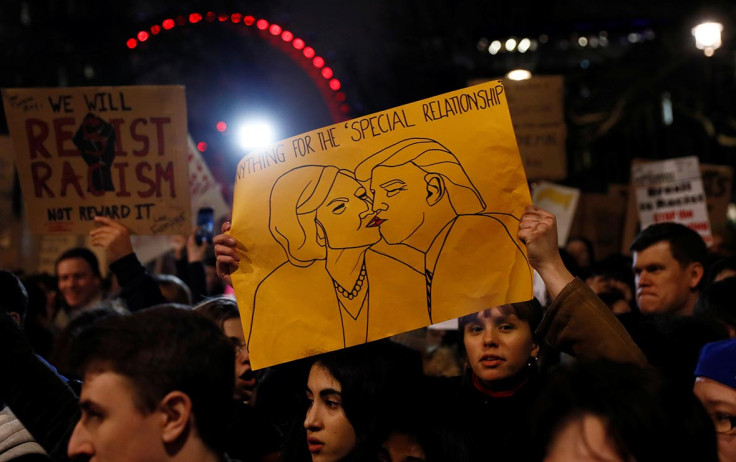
(321, 235)
(695, 273)
(15, 316)
(176, 410)
(535, 351)
(435, 188)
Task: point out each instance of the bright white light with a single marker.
(708, 37)
(510, 44)
(583, 41)
(494, 47)
(255, 134)
(519, 74)
(524, 45)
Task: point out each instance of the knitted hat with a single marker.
(718, 362)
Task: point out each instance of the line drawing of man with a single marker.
(424, 199)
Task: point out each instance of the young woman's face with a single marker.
(498, 344)
(330, 435)
(346, 216)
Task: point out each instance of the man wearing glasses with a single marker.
(715, 387)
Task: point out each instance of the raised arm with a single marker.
(577, 322)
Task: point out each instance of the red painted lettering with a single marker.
(37, 131)
(41, 172)
(143, 139)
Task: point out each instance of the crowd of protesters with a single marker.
(627, 359)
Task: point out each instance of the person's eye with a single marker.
(506, 327)
(394, 191)
(332, 404)
(475, 329)
(338, 209)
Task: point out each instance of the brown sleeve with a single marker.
(579, 323)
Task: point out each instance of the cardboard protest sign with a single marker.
(717, 181)
(204, 191)
(113, 151)
(600, 218)
(672, 190)
(559, 200)
(7, 173)
(380, 225)
(537, 111)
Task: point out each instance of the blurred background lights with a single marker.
(510, 44)
(708, 37)
(221, 126)
(201, 146)
(494, 47)
(524, 45)
(255, 134)
(519, 74)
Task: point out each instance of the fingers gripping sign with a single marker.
(112, 236)
(227, 255)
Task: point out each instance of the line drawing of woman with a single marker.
(335, 290)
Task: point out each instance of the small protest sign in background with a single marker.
(672, 190)
(113, 151)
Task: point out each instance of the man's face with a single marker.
(77, 283)
(111, 428)
(720, 402)
(662, 284)
(400, 199)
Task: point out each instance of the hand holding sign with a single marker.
(538, 231)
(112, 236)
(227, 256)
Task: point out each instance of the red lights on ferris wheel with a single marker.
(274, 30)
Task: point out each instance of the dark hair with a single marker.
(686, 245)
(219, 309)
(163, 349)
(716, 302)
(530, 311)
(588, 246)
(14, 295)
(374, 379)
(719, 265)
(645, 417)
(180, 292)
(83, 253)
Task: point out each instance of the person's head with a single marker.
(215, 285)
(348, 392)
(668, 265)
(316, 207)
(715, 387)
(79, 278)
(157, 385)
(721, 269)
(716, 304)
(499, 342)
(581, 249)
(174, 289)
(619, 412)
(414, 181)
(223, 311)
(14, 296)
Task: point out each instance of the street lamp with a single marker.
(708, 37)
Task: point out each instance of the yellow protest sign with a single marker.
(380, 225)
(115, 151)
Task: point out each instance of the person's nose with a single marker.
(643, 279)
(313, 420)
(80, 447)
(489, 338)
(243, 356)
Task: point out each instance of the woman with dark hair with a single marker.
(619, 412)
(502, 347)
(349, 394)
